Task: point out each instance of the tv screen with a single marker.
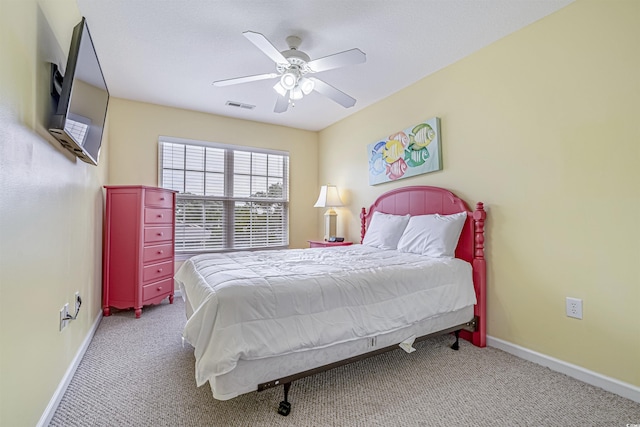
(82, 99)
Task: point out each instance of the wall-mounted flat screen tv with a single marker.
(82, 99)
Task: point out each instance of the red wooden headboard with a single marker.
(423, 200)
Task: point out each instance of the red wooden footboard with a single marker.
(424, 200)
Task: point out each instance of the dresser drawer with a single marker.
(158, 198)
(157, 289)
(158, 234)
(157, 271)
(156, 253)
(158, 216)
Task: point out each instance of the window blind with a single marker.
(229, 197)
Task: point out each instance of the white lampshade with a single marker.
(329, 197)
(292, 82)
(280, 89)
(306, 85)
(289, 79)
(296, 93)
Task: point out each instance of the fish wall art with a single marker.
(412, 151)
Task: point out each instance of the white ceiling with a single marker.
(169, 52)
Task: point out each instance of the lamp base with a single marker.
(330, 217)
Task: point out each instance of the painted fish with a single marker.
(400, 136)
(422, 135)
(393, 150)
(379, 146)
(416, 158)
(396, 169)
(376, 164)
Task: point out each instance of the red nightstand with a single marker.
(325, 244)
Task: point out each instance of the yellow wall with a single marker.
(50, 216)
(542, 126)
(136, 127)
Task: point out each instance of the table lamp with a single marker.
(329, 198)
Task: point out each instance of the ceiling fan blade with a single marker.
(348, 57)
(265, 46)
(282, 103)
(237, 80)
(331, 92)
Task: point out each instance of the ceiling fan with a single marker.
(293, 68)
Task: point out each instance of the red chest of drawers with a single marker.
(138, 251)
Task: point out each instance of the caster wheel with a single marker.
(284, 409)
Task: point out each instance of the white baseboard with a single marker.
(48, 413)
(607, 383)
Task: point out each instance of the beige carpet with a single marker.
(136, 373)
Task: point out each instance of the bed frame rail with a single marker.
(285, 406)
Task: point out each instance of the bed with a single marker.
(262, 319)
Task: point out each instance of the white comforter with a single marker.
(253, 305)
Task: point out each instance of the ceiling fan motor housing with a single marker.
(295, 58)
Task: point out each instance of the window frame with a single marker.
(228, 200)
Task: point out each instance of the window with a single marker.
(229, 197)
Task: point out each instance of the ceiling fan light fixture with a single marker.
(296, 93)
(306, 85)
(291, 67)
(289, 79)
(280, 89)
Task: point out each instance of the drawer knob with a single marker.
(160, 234)
(159, 288)
(159, 270)
(160, 252)
(161, 198)
(159, 215)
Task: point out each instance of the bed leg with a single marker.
(285, 406)
(456, 345)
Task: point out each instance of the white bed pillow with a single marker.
(385, 230)
(432, 235)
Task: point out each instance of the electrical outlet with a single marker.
(574, 307)
(64, 316)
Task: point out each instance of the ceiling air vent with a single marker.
(240, 105)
